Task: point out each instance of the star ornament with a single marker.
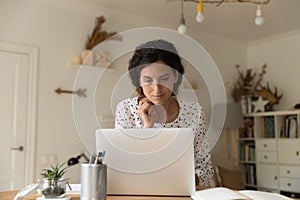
(259, 104)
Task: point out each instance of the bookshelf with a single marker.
(269, 151)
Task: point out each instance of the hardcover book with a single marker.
(221, 193)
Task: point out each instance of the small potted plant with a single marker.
(53, 184)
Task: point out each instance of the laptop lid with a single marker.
(148, 161)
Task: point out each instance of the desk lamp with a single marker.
(75, 160)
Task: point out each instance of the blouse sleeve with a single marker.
(203, 165)
(121, 119)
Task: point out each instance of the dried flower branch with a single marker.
(97, 35)
(260, 78)
(249, 84)
(244, 84)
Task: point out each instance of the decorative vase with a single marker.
(87, 57)
(53, 188)
(246, 104)
(249, 104)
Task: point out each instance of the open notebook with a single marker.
(221, 193)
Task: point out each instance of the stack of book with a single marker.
(247, 151)
(290, 127)
(250, 175)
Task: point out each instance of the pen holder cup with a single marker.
(93, 179)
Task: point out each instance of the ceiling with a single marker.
(233, 20)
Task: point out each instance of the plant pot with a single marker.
(52, 188)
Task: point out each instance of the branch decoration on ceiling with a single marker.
(219, 2)
(259, 19)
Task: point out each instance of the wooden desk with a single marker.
(9, 195)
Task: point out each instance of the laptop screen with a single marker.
(148, 161)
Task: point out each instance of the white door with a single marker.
(14, 87)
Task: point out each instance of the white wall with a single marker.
(59, 29)
(59, 32)
(281, 53)
(226, 53)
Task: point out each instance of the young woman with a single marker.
(156, 72)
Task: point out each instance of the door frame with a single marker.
(32, 53)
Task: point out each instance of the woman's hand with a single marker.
(143, 112)
(150, 113)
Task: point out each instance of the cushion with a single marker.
(230, 179)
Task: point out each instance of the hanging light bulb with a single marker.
(259, 20)
(182, 27)
(200, 16)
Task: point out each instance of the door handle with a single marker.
(20, 148)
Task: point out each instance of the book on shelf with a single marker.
(290, 128)
(282, 127)
(250, 174)
(247, 151)
(251, 152)
(269, 126)
(222, 193)
(248, 129)
(262, 127)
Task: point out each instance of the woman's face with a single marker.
(157, 80)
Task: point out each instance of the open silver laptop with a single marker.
(148, 161)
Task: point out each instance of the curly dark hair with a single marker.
(151, 52)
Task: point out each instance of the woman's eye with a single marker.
(147, 80)
(165, 79)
